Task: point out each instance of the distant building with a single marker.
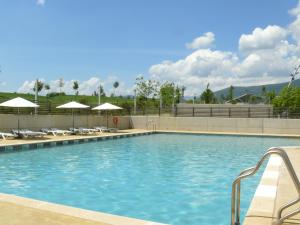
(247, 99)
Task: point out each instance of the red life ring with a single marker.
(115, 120)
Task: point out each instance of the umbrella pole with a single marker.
(106, 119)
(18, 122)
(73, 120)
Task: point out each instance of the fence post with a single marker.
(193, 111)
(159, 111)
(269, 112)
(229, 112)
(211, 112)
(249, 113)
(175, 110)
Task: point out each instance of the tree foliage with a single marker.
(208, 96)
(116, 84)
(76, 87)
(230, 95)
(61, 83)
(39, 85)
(289, 97)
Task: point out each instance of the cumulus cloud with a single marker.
(266, 55)
(86, 87)
(41, 2)
(260, 38)
(204, 41)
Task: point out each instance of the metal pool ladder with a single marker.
(236, 187)
(151, 122)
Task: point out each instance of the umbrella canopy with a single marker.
(107, 106)
(73, 105)
(19, 103)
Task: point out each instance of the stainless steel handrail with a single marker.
(236, 187)
(153, 124)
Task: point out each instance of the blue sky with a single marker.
(118, 40)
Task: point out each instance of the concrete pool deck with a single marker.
(51, 138)
(275, 189)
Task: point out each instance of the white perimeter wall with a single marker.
(206, 124)
(213, 124)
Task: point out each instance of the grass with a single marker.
(48, 104)
(61, 99)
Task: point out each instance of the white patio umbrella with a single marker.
(19, 103)
(106, 107)
(73, 105)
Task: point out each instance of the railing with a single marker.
(236, 188)
(151, 122)
(47, 107)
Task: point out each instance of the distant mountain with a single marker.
(255, 90)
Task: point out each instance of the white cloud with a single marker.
(41, 2)
(260, 38)
(204, 41)
(266, 55)
(86, 87)
(294, 27)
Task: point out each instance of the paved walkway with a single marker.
(276, 189)
(50, 138)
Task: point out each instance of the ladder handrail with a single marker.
(236, 187)
(153, 124)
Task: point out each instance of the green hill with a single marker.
(255, 90)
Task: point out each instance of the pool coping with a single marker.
(229, 133)
(267, 198)
(41, 143)
(80, 216)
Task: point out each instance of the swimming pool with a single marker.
(170, 178)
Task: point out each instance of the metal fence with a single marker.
(234, 111)
(225, 112)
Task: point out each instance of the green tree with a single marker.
(270, 96)
(145, 89)
(47, 88)
(289, 97)
(115, 85)
(207, 96)
(102, 93)
(61, 83)
(167, 93)
(76, 87)
(39, 85)
(183, 88)
(230, 95)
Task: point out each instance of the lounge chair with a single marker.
(105, 129)
(87, 130)
(25, 133)
(6, 135)
(65, 132)
(55, 131)
(79, 131)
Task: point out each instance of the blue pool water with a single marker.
(170, 178)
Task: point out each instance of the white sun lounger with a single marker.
(87, 130)
(105, 129)
(6, 135)
(25, 133)
(55, 131)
